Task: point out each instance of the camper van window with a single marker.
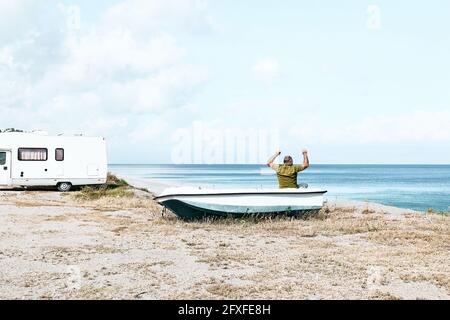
(33, 154)
(2, 158)
(59, 154)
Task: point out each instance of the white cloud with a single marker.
(267, 69)
(144, 16)
(418, 127)
(144, 132)
(59, 74)
(309, 127)
(117, 53)
(17, 18)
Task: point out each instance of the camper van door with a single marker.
(5, 168)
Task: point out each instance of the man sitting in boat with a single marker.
(287, 172)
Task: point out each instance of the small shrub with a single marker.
(114, 188)
(113, 182)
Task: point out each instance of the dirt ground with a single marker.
(54, 246)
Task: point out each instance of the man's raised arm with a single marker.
(272, 158)
(305, 159)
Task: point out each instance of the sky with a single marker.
(180, 81)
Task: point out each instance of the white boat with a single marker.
(189, 202)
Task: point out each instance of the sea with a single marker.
(417, 187)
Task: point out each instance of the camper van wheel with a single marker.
(64, 186)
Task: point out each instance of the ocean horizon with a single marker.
(410, 186)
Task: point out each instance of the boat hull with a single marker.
(189, 211)
(201, 204)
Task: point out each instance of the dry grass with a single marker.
(225, 290)
(114, 188)
(116, 194)
(380, 295)
(109, 203)
(227, 258)
(336, 247)
(327, 222)
(326, 255)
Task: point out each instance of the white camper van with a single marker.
(36, 159)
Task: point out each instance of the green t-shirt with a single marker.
(287, 175)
